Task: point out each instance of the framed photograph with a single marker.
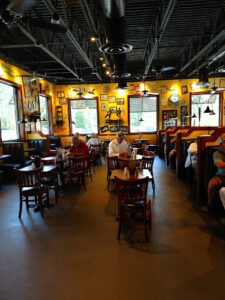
(60, 94)
(26, 86)
(183, 114)
(103, 97)
(34, 104)
(104, 107)
(62, 101)
(112, 99)
(184, 89)
(104, 128)
(114, 128)
(29, 105)
(169, 118)
(113, 109)
(34, 82)
(124, 128)
(222, 83)
(120, 101)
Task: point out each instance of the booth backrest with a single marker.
(40, 146)
(184, 147)
(16, 150)
(55, 142)
(210, 169)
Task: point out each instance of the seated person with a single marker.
(119, 145)
(222, 198)
(172, 154)
(191, 159)
(218, 180)
(78, 147)
(93, 140)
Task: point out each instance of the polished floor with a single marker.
(73, 252)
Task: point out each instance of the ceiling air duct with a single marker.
(116, 45)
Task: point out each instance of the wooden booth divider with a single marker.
(161, 134)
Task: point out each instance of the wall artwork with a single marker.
(120, 101)
(114, 128)
(104, 107)
(60, 94)
(104, 128)
(184, 89)
(62, 101)
(113, 109)
(112, 99)
(124, 128)
(26, 86)
(169, 118)
(103, 97)
(183, 114)
(222, 83)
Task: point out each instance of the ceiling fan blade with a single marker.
(169, 68)
(43, 24)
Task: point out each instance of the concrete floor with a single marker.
(73, 253)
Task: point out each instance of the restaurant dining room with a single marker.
(112, 149)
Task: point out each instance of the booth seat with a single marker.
(55, 141)
(16, 159)
(39, 145)
(186, 172)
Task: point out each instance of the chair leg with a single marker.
(20, 209)
(84, 183)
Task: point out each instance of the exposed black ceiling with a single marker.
(170, 38)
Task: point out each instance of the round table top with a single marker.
(127, 158)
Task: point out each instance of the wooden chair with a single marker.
(132, 199)
(96, 152)
(147, 163)
(50, 180)
(30, 186)
(112, 164)
(76, 170)
(148, 153)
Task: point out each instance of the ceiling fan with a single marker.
(12, 12)
(159, 69)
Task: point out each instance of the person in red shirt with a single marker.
(78, 147)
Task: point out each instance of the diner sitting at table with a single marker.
(119, 145)
(78, 147)
(93, 140)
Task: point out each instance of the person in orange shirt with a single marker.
(78, 147)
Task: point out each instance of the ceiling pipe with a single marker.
(116, 46)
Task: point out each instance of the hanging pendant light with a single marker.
(212, 113)
(194, 116)
(141, 120)
(207, 111)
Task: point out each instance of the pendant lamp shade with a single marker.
(194, 116)
(207, 111)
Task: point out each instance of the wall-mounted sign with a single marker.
(174, 98)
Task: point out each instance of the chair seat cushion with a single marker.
(32, 190)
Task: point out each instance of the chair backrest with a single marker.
(28, 178)
(148, 153)
(112, 162)
(51, 161)
(40, 146)
(132, 191)
(147, 163)
(77, 163)
(96, 148)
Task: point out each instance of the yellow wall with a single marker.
(165, 88)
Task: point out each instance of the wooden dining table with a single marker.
(4, 156)
(139, 174)
(45, 169)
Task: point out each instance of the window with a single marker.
(44, 114)
(8, 112)
(84, 116)
(143, 114)
(199, 103)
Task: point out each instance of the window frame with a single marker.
(49, 112)
(19, 110)
(157, 114)
(220, 104)
(70, 117)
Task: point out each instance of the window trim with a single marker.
(69, 114)
(19, 108)
(220, 93)
(49, 105)
(157, 114)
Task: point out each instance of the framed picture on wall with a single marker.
(169, 118)
(104, 107)
(113, 109)
(62, 101)
(124, 128)
(112, 99)
(120, 101)
(184, 89)
(222, 83)
(60, 94)
(183, 114)
(104, 128)
(114, 128)
(103, 97)
(26, 86)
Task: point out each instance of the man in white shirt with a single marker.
(93, 140)
(119, 145)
